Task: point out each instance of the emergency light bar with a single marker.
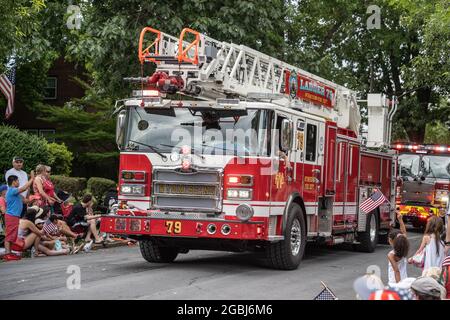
(421, 148)
(148, 102)
(228, 104)
(147, 93)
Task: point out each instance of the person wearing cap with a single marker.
(17, 171)
(427, 288)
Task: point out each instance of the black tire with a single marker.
(155, 253)
(279, 255)
(366, 242)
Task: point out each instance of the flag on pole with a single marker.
(8, 87)
(374, 201)
(326, 294)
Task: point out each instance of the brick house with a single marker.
(60, 88)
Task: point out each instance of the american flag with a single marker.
(374, 201)
(326, 294)
(8, 87)
(51, 229)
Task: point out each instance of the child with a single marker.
(397, 257)
(14, 208)
(432, 243)
(3, 189)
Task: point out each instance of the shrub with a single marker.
(60, 158)
(99, 186)
(14, 142)
(73, 185)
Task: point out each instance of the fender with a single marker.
(294, 197)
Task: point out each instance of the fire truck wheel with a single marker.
(154, 253)
(368, 240)
(287, 254)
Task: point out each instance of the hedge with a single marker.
(60, 158)
(14, 142)
(99, 186)
(74, 185)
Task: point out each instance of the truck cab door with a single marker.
(313, 174)
(283, 163)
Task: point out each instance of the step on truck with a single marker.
(225, 148)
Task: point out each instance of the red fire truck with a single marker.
(226, 148)
(423, 185)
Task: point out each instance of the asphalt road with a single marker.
(121, 273)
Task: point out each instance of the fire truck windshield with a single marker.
(205, 130)
(427, 166)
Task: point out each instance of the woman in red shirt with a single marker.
(44, 188)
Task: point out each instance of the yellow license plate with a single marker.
(187, 189)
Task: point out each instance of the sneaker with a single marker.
(88, 246)
(11, 257)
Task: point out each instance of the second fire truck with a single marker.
(423, 185)
(226, 148)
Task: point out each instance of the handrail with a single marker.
(144, 54)
(183, 53)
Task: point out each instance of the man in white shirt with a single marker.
(16, 170)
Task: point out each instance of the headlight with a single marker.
(131, 189)
(441, 196)
(244, 212)
(241, 194)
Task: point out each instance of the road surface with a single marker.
(121, 273)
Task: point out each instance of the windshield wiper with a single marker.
(154, 149)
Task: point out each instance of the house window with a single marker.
(50, 89)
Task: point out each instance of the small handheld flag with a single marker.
(374, 201)
(325, 294)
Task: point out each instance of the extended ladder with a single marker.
(212, 69)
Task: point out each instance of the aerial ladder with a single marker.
(201, 67)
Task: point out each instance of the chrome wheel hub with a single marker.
(296, 237)
(373, 228)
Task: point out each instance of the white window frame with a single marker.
(56, 89)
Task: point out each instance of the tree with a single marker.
(331, 38)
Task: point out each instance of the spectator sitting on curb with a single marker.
(82, 216)
(32, 235)
(51, 242)
(14, 206)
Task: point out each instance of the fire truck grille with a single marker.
(187, 192)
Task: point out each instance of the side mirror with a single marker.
(286, 135)
(120, 126)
